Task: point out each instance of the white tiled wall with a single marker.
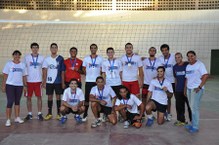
(201, 36)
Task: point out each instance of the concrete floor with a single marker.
(53, 133)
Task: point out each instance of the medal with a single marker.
(152, 65)
(166, 62)
(73, 63)
(93, 62)
(34, 62)
(129, 61)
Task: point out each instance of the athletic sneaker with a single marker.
(58, 117)
(18, 120)
(105, 118)
(78, 118)
(63, 119)
(126, 124)
(150, 122)
(168, 117)
(193, 130)
(48, 117)
(96, 123)
(179, 123)
(28, 117)
(8, 123)
(84, 119)
(40, 117)
(189, 126)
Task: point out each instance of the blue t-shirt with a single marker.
(54, 66)
(179, 72)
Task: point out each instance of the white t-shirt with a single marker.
(132, 101)
(34, 67)
(55, 67)
(15, 73)
(107, 94)
(150, 69)
(93, 67)
(168, 64)
(73, 99)
(194, 73)
(130, 67)
(112, 70)
(157, 93)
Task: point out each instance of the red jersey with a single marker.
(70, 65)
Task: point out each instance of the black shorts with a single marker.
(88, 87)
(106, 110)
(116, 89)
(131, 116)
(159, 107)
(50, 88)
(174, 88)
(69, 110)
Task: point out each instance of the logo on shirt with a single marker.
(73, 100)
(190, 72)
(52, 66)
(167, 65)
(93, 65)
(16, 69)
(132, 63)
(158, 89)
(101, 97)
(112, 68)
(180, 73)
(150, 67)
(35, 64)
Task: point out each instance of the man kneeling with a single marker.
(127, 105)
(73, 100)
(159, 91)
(102, 99)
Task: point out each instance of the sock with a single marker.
(85, 112)
(58, 103)
(39, 113)
(30, 113)
(50, 106)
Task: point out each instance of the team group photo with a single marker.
(134, 90)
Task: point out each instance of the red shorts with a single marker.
(145, 91)
(133, 87)
(35, 88)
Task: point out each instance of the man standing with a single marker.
(53, 74)
(132, 73)
(168, 61)
(92, 68)
(150, 66)
(112, 71)
(73, 67)
(179, 71)
(34, 62)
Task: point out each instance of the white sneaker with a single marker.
(168, 117)
(96, 123)
(8, 123)
(84, 119)
(18, 120)
(126, 124)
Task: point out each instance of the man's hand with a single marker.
(102, 102)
